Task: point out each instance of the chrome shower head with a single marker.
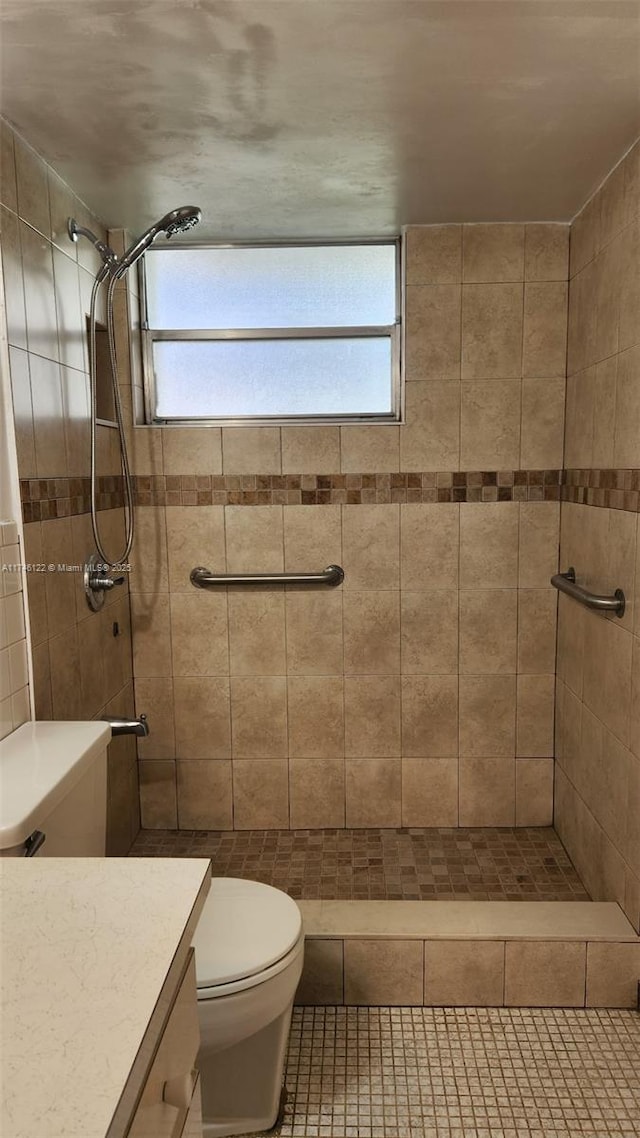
(177, 221)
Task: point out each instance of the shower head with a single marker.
(177, 221)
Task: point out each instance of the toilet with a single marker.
(249, 947)
(249, 942)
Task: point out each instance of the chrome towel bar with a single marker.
(203, 579)
(566, 583)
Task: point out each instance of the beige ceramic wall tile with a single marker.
(22, 413)
(256, 632)
(487, 715)
(490, 415)
(429, 637)
(537, 609)
(322, 979)
(493, 253)
(57, 550)
(158, 809)
(627, 428)
(151, 634)
(195, 536)
(48, 418)
(459, 974)
(629, 316)
(251, 450)
(545, 331)
(75, 408)
(71, 331)
(541, 974)
(383, 972)
(204, 795)
(604, 413)
(429, 716)
(371, 546)
(488, 631)
(607, 673)
(579, 429)
(259, 717)
(546, 252)
(571, 644)
(192, 450)
(310, 450)
(372, 716)
(149, 566)
(316, 716)
(91, 659)
(371, 632)
(613, 975)
(369, 448)
(585, 236)
(317, 793)
(154, 698)
(66, 691)
(432, 330)
(430, 792)
(487, 790)
(373, 792)
(491, 331)
(202, 717)
(433, 254)
(199, 634)
(42, 681)
(62, 205)
(429, 539)
(430, 437)
(489, 545)
(261, 794)
(542, 435)
(13, 280)
(535, 715)
(314, 632)
(534, 792)
(312, 538)
(40, 305)
(33, 189)
(254, 537)
(8, 192)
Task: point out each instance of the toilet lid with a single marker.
(244, 928)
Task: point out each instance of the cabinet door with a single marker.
(193, 1123)
(166, 1098)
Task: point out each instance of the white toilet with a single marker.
(249, 941)
(249, 950)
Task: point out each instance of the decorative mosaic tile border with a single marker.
(62, 497)
(605, 487)
(44, 498)
(348, 489)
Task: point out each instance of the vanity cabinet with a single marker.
(169, 1104)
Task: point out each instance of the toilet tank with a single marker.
(53, 781)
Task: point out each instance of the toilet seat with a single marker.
(248, 932)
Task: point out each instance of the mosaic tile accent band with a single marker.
(609, 488)
(44, 498)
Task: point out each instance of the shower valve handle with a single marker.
(98, 582)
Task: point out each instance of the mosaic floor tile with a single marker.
(462, 1073)
(518, 864)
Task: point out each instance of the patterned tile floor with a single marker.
(462, 1073)
(423, 865)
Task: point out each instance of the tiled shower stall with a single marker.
(423, 693)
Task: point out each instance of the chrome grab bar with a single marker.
(203, 579)
(566, 583)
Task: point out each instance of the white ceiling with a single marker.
(285, 118)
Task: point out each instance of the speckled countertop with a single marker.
(86, 945)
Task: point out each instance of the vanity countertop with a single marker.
(86, 947)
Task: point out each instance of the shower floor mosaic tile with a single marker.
(462, 1073)
(408, 865)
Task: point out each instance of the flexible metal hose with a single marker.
(124, 460)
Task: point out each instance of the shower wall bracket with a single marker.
(97, 582)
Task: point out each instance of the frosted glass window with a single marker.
(286, 287)
(263, 378)
(272, 332)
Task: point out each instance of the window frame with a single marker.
(392, 331)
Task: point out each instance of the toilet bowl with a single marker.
(249, 947)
